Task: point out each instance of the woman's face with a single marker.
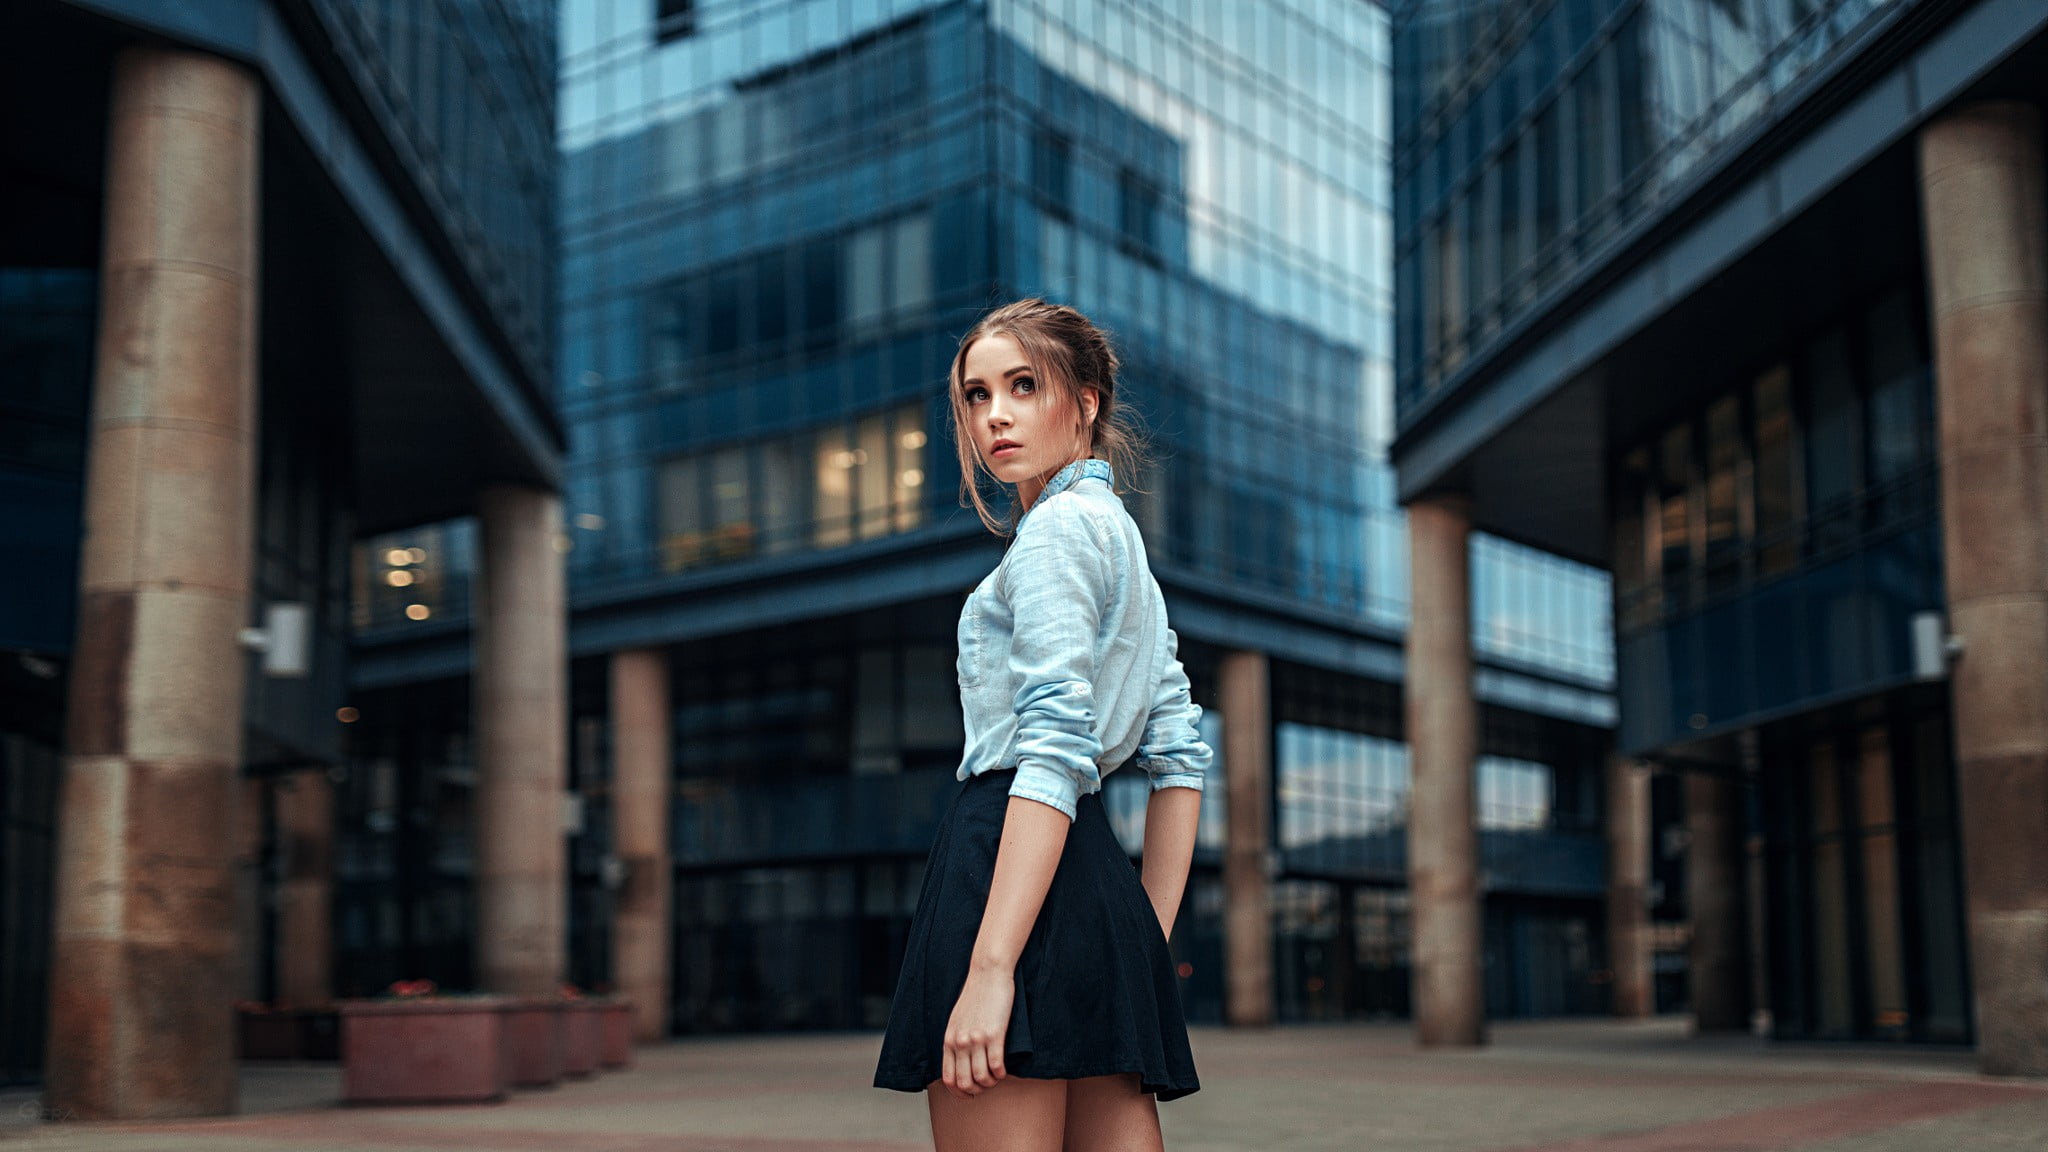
(1021, 429)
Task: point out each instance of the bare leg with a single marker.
(1017, 1115)
(1110, 1114)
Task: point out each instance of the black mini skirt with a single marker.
(1096, 991)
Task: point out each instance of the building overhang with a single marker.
(353, 295)
(1525, 428)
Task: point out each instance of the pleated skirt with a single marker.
(1096, 990)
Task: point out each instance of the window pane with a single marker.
(682, 515)
(1549, 177)
(821, 287)
(871, 463)
(1724, 464)
(1834, 445)
(833, 522)
(781, 496)
(866, 298)
(1901, 435)
(1631, 566)
(1777, 493)
(732, 519)
(1512, 254)
(1674, 493)
(912, 285)
(910, 446)
(771, 306)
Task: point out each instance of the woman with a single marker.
(1038, 1006)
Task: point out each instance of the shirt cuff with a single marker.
(1177, 780)
(1047, 786)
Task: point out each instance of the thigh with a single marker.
(1017, 1115)
(1110, 1114)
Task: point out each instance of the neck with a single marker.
(1029, 490)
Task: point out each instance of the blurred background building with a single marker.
(778, 217)
(1743, 302)
(274, 275)
(287, 280)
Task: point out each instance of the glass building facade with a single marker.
(1763, 411)
(464, 92)
(778, 217)
(1531, 136)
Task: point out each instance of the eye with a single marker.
(976, 395)
(1025, 384)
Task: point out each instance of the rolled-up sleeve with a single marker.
(1172, 751)
(1057, 580)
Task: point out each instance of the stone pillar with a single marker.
(305, 900)
(1981, 180)
(641, 818)
(1246, 700)
(1628, 881)
(251, 886)
(1443, 740)
(1715, 879)
(145, 955)
(522, 744)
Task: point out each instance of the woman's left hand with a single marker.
(973, 1059)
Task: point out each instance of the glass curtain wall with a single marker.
(1342, 783)
(464, 90)
(776, 217)
(1528, 134)
(1773, 543)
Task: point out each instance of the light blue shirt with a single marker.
(1067, 668)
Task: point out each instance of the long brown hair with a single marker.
(1066, 352)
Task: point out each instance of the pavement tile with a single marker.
(1556, 1086)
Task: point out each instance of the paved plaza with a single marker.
(1581, 1086)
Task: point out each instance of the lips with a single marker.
(1004, 448)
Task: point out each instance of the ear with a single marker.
(1091, 401)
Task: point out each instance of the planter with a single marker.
(290, 1034)
(584, 1034)
(616, 1049)
(536, 1040)
(429, 1050)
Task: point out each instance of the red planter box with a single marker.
(584, 1029)
(430, 1050)
(536, 1041)
(616, 1051)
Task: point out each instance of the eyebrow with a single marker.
(973, 380)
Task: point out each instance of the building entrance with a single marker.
(1865, 914)
(1341, 950)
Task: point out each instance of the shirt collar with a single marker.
(1068, 476)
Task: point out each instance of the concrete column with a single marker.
(1715, 879)
(1981, 180)
(305, 901)
(251, 886)
(145, 956)
(1443, 740)
(1628, 882)
(640, 806)
(522, 744)
(1246, 699)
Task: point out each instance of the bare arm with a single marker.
(1034, 834)
(1171, 815)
